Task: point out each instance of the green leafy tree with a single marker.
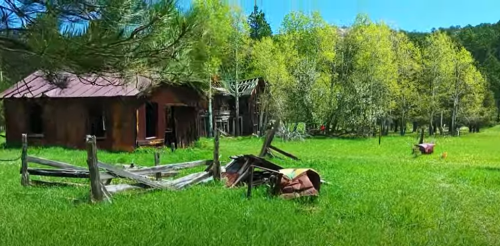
(438, 58)
(213, 44)
(409, 70)
(375, 74)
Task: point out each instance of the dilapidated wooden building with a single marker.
(224, 108)
(61, 110)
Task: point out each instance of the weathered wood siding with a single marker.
(65, 122)
(186, 101)
(186, 127)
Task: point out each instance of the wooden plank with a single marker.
(25, 178)
(157, 163)
(250, 182)
(52, 183)
(172, 167)
(52, 163)
(125, 174)
(62, 173)
(269, 139)
(283, 152)
(191, 179)
(122, 187)
(104, 176)
(96, 187)
(149, 172)
(216, 164)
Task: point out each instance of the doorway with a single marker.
(170, 127)
(151, 119)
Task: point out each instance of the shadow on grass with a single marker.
(494, 169)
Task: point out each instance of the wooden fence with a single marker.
(101, 174)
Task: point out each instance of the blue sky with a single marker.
(419, 15)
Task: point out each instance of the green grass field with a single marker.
(378, 195)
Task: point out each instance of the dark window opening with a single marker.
(97, 120)
(151, 119)
(35, 119)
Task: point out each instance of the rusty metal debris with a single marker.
(287, 183)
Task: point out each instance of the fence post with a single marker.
(269, 139)
(216, 164)
(25, 177)
(96, 190)
(157, 163)
(250, 182)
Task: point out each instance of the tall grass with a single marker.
(378, 195)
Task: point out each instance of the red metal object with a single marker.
(426, 148)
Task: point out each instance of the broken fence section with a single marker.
(101, 174)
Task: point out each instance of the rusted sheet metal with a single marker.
(299, 182)
(286, 183)
(70, 85)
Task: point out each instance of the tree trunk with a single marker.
(441, 125)
(396, 125)
(210, 114)
(454, 118)
(431, 125)
(403, 125)
(415, 126)
(295, 126)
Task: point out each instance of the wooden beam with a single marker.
(269, 139)
(250, 182)
(122, 187)
(25, 177)
(97, 189)
(129, 175)
(190, 179)
(52, 183)
(62, 173)
(283, 152)
(150, 173)
(52, 163)
(216, 164)
(157, 163)
(171, 167)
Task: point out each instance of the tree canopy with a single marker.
(359, 79)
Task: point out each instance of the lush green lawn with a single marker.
(378, 195)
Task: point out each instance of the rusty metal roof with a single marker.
(67, 85)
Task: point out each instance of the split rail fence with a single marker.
(101, 174)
